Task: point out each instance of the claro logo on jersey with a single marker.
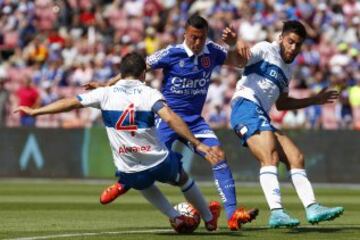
(134, 149)
(190, 86)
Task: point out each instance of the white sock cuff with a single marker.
(269, 169)
(189, 183)
(300, 171)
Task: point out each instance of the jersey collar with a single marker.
(190, 53)
(129, 82)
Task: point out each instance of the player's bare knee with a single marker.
(298, 161)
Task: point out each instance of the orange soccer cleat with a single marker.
(112, 192)
(241, 216)
(215, 209)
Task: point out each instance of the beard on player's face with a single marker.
(290, 46)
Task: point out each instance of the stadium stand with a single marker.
(63, 44)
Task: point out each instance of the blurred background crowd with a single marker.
(49, 48)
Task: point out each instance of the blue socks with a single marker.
(226, 186)
(223, 180)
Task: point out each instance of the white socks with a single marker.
(158, 200)
(302, 186)
(270, 185)
(192, 194)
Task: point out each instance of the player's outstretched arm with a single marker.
(62, 105)
(239, 50)
(180, 127)
(325, 96)
(93, 85)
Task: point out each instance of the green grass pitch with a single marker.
(64, 209)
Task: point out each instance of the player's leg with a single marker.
(226, 188)
(253, 127)
(210, 213)
(144, 182)
(158, 200)
(293, 158)
(171, 171)
(222, 176)
(263, 147)
(178, 222)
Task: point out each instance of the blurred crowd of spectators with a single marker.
(49, 48)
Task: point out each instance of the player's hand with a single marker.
(210, 154)
(91, 85)
(26, 110)
(326, 96)
(243, 49)
(229, 36)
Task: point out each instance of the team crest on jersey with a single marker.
(205, 62)
(182, 63)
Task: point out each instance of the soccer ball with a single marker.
(188, 210)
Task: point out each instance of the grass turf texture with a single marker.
(64, 209)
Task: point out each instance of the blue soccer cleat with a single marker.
(316, 213)
(279, 218)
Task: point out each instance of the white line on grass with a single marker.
(90, 234)
(328, 226)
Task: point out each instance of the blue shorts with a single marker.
(248, 118)
(197, 126)
(167, 172)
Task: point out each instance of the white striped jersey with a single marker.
(129, 120)
(265, 76)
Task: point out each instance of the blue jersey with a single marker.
(187, 76)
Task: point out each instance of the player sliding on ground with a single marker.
(128, 110)
(265, 81)
(187, 70)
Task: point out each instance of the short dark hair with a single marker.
(294, 26)
(132, 65)
(197, 21)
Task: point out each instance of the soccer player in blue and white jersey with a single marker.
(265, 81)
(128, 110)
(187, 69)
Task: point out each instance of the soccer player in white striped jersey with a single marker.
(266, 81)
(128, 110)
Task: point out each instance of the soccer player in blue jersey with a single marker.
(266, 81)
(187, 69)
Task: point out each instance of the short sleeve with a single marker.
(92, 98)
(159, 59)
(220, 53)
(155, 96)
(258, 52)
